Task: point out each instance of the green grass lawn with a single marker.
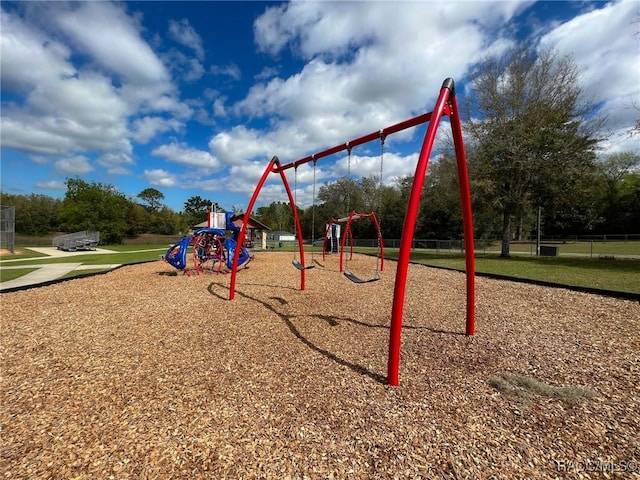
(619, 275)
(584, 248)
(609, 274)
(125, 254)
(12, 274)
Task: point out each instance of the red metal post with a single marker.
(296, 217)
(393, 365)
(196, 240)
(234, 269)
(347, 231)
(467, 217)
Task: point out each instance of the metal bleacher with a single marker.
(77, 241)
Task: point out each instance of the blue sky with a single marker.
(194, 98)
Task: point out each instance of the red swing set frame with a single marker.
(446, 105)
(349, 234)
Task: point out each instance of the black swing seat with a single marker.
(356, 279)
(299, 266)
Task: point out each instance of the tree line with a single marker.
(605, 201)
(101, 207)
(532, 143)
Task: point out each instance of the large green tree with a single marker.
(338, 199)
(532, 130)
(392, 206)
(196, 209)
(35, 214)
(620, 193)
(94, 207)
(440, 210)
(277, 216)
(152, 198)
(166, 222)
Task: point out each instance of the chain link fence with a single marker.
(8, 228)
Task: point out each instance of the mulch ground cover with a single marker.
(145, 373)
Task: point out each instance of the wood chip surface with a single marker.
(141, 373)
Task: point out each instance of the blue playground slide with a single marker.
(177, 253)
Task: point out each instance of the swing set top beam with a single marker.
(412, 122)
(355, 216)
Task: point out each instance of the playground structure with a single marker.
(446, 105)
(210, 245)
(332, 238)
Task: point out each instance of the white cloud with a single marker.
(39, 159)
(195, 71)
(232, 71)
(67, 109)
(604, 43)
(208, 185)
(333, 29)
(116, 163)
(25, 133)
(363, 71)
(112, 38)
(269, 30)
(29, 56)
(266, 73)
(241, 144)
(187, 68)
(361, 75)
(146, 128)
(154, 99)
(77, 165)
(51, 185)
(182, 32)
(160, 178)
(192, 157)
(219, 109)
(86, 81)
(605, 46)
(620, 140)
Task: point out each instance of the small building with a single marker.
(281, 236)
(255, 230)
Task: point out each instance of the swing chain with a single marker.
(313, 202)
(382, 138)
(348, 176)
(295, 184)
(295, 191)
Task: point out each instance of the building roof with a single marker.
(253, 223)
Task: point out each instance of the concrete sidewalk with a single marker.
(48, 272)
(54, 252)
